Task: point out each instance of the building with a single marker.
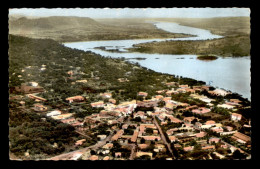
(241, 138)
(117, 135)
(144, 94)
(29, 89)
(93, 158)
(39, 107)
(101, 137)
(135, 135)
(139, 154)
(36, 98)
(98, 104)
(201, 110)
(75, 99)
(190, 148)
(80, 142)
(214, 140)
(172, 138)
(219, 92)
(236, 117)
(53, 113)
(188, 119)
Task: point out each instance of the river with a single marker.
(229, 73)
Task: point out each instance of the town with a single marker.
(150, 128)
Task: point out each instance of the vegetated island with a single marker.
(207, 57)
(137, 58)
(235, 43)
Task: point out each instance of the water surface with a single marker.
(228, 73)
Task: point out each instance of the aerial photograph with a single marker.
(129, 84)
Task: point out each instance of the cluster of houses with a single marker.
(144, 133)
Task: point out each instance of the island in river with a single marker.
(207, 57)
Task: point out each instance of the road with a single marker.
(163, 137)
(68, 156)
(83, 135)
(132, 155)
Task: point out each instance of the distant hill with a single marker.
(50, 23)
(71, 28)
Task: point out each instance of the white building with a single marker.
(53, 113)
(236, 117)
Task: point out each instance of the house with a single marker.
(190, 148)
(139, 154)
(28, 89)
(191, 107)
(177, 145)
(82, 81)
(172, 138)
(53, 113)
(106, 158)
(134, 137)
(217, 129)
(201, 110)
(235, 100)
(236, 117)
(219, 92)
(118, 154)
(201, 134)
(174, 119)
(123, 80)
(170, 131)
(75, 99)
(76, 156)
(93, 158)
(140, 114)
(80, 142)
(160, 91)
(208, 147)
(170, 84)
(241, 138)
(184, 86)
(158, 97)
(214, 140)
(108, 146)
(188, 119)
(226, 106)
(151, 138)
(113, 101)
(101, 137)
(117, 135)
(229, 128)
(62, 116)
(144, 94)
(36, 98)
(159, 147)
(210, 122)
(98, 104)
(34, 84)
(106, 95)
(39, 107)
(143, 146)
(68, 121)
(77, 124)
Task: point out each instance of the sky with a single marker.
(133, 13)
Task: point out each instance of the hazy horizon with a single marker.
(133, 13)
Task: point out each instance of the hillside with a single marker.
(68, 29)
